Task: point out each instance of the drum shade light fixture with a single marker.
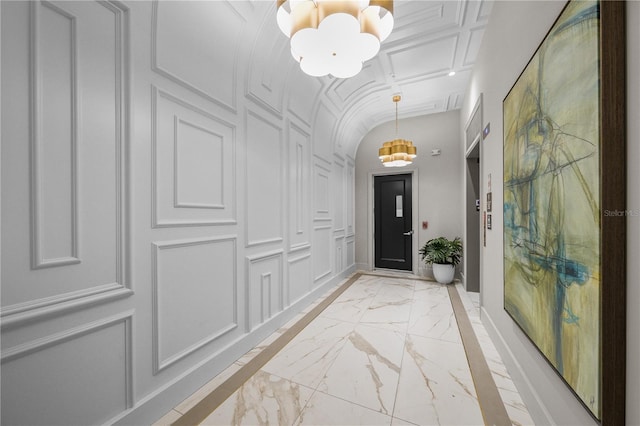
(398, 152)
(335, 36)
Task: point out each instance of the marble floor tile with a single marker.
(351, 305)
(435, 385)
(367, 369)
(432, 314)
(424, 322)
(395, 290)
(391, 308)
(309, 355)
(323, 409)
(399, 422)
(264, 399)
(387, 351)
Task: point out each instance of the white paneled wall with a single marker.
(172, 192)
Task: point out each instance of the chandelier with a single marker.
(335, 36)
(398, 152)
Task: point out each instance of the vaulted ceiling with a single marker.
(246, 51)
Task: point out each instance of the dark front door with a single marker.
(393, 233)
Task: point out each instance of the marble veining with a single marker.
(264, 399)
(387, 351)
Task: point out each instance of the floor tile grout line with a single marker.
(214, 399)
(404, 344)
(491, 404)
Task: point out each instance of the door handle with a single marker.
(408, 233)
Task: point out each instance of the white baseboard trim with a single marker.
(363, 267)
(530, 396)
(153, 406)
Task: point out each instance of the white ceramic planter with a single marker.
(443, 273)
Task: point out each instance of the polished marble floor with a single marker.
(387, 351)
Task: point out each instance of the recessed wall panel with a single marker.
(36, 376)
(193, 165)
(265, 169)
(265, 292)
(350, 200)
(70, 224)
(322, 252)
(338, 196)
(303, 93)
(351, 252)
(323, 132)
(299, 188)
(195, 298)
(199, 162)
(266, 82)
(321, 181)
(54, 136)
(300, 279)
(339, 253)
(184, 35)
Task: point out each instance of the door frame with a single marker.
(472, 143)
(415, 199)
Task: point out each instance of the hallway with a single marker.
(386, 351)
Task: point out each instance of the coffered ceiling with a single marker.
(430, 39)
(245, 56)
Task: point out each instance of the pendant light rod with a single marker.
(398, 152)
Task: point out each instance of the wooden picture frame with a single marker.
(564, 192)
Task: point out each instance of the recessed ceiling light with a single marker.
(452, 73)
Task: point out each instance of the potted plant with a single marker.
(444, 254)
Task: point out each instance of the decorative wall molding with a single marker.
(201, 214)
(227, 101)
(25, 313)
(161, 363)
(265, 84)
(39, 257)
(339, 253)
(321, 180)
(322, 260)
(264, 171)
(38, 345)
(264, 283)
(350, 190)
(303, 93)
(351, 251)
(219, 166)
(323, 126)
(299, 187)
(339, 184)
(299, 277)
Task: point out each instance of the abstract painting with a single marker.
(552, 205)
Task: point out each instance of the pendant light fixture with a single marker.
(335, 36)
(398, 152)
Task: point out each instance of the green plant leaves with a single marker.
(442, 250)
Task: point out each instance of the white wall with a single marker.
(172, 193)
(513, 34)
(437, 181)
